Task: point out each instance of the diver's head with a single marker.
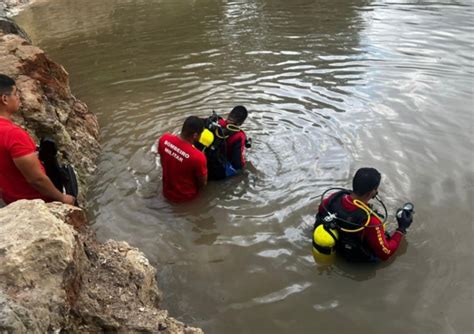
(237, 115)
(9, 96)
(366, 182)
(192, 128)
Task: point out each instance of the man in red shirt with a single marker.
(361, 233)
(22, 175)
(184, 166)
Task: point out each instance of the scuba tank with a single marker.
(211, 133)
(324, 244)
(207, 138)
(213, 143)
(336, 229)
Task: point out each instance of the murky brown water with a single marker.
(332, 86)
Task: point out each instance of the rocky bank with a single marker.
(49, 109)
(54, 275)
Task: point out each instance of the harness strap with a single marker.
(323, 250)
(359, 217)
(330, 233)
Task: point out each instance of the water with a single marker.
(331, 86)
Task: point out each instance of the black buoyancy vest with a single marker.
(350, 245)
(216, 153)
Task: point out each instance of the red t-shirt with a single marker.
(182, 164)
(374, 236)
(15, 143)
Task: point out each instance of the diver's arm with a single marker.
(382, 247)
(237, 157)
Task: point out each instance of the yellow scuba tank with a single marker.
(324, 245)
(207, 138)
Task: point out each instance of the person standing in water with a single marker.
(346, 223)
(225, 150)
(184, 166)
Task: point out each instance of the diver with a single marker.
(347, 225)
(183, 165)
(224, 142)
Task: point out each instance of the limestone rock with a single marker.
(15, 318)
(71, 215)
(8, 26)
(48, 107)
(9, 7)
(36, 248)
(54, 275)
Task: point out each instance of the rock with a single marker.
(48, 107)
(10, 7)
(36, 248)
(71, 215)
(15, 318)
(8, 26)
(55, 276)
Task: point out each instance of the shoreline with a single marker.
(54, 273)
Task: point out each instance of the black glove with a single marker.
(404, 219)
(248, 143)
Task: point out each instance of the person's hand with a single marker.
(404, 219)
(68, 199)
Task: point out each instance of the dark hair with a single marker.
(365, 180)
(238, 114)
(6, 84)
(192, 125)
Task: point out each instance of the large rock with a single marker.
(36, 249)
(8, 26)
(48, 107)
(54, 276)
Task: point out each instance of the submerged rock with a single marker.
(54, 276)
(48, 107)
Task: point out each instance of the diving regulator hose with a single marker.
(230, 127)
(361, 205)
